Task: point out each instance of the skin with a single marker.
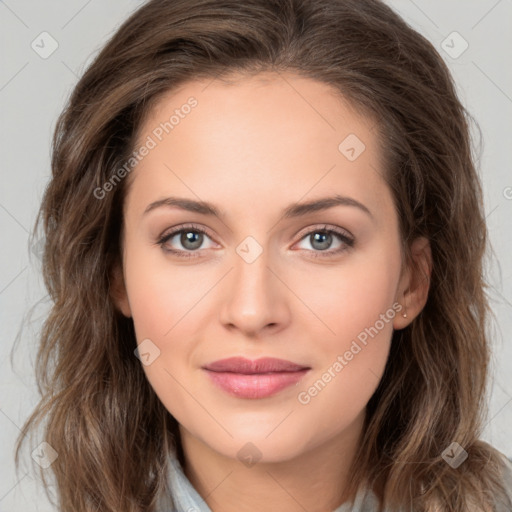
(252, 147)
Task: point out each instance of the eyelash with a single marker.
(345, 239)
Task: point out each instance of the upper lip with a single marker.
(248, 367)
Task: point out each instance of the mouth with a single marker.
(260, 378)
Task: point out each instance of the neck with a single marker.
(315, 480)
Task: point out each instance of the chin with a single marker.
(250, 446)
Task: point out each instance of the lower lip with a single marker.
(258, 385)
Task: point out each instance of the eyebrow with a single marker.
(291, 211)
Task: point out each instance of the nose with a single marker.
(256, 300)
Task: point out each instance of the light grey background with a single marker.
(33, 91)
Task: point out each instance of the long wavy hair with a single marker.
(99, 412)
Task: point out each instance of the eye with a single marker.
(321, 240)
(190, 237)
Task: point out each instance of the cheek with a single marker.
(163, 302)
(350, 297)
(351, 361)
(355, 302)
(160, 293)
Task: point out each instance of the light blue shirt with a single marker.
(187, 499)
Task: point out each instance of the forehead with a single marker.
(248, 137)
(270, 99)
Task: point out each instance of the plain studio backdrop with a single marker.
(45, 46)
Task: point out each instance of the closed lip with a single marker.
(256, 366)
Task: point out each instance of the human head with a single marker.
(388, 73)
(252, 149)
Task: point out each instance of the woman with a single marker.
(264, 242)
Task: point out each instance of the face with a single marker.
(258, 274)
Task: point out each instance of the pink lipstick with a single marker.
(260, 378)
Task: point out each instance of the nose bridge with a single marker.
(255, 299)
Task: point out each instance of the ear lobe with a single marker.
(118, 291)
(413, 291)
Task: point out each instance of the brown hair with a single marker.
(98, 409)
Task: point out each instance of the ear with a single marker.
(414, 283)
(118, 290)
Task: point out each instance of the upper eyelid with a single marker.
(325, 227)
(178, 229)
